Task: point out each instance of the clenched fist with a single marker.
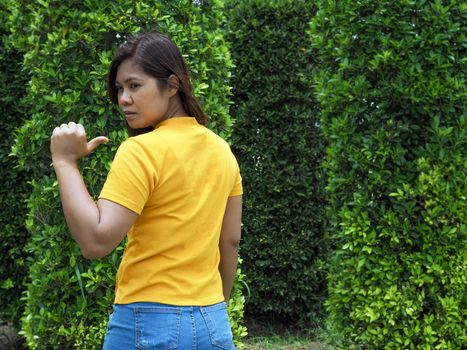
(68, 143)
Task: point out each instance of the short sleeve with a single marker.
(131, 179)
(237, 189)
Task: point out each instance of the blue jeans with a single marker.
(145, 326)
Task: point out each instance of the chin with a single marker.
(135, 125)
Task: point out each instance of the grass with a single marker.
(283, 343)
(266, 333)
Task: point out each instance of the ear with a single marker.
(174, 84)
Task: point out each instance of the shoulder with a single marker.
(129, 145)
(217, 139)
(133, 147)
(143, 139)
(224, 147)
(142, 142)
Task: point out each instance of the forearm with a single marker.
(228, 243)
(228, 266)
(81, 212)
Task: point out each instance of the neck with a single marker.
(175, 108)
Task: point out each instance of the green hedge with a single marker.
(392, 91)
(278, 143)
(13, 192)
(67, 48)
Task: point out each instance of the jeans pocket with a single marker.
(217, 323)
(157, 328)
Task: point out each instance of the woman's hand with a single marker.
(68, 143)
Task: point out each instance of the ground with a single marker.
(269, 333)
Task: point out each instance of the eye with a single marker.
(134, 85)
(118, 88)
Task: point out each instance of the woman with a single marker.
(175, 188)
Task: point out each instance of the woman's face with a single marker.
(141, 100)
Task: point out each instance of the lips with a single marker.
(129, 115)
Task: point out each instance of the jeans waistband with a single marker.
(148, 305)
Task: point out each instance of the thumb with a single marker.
(96, 142)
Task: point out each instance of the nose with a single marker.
(124, 98)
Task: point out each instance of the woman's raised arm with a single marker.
(97, 227)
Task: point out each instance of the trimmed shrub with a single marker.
(13, 192)
(67, 48)
(278, 143)
(393, 95)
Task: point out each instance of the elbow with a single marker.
(234, 243)
(231, 242)
(90, 255)
(95, 247)
(93, 252)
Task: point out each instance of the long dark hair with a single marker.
(159, 57)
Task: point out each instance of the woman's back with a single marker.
(178, 178)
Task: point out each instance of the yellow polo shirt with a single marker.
(178, 179)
